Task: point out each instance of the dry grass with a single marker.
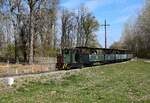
(116, 83)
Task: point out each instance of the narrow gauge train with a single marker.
(86, 56)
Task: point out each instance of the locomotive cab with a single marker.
(69, 58)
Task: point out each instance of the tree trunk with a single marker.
(31, 44)
(31, 35)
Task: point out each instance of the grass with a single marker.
(115, 83)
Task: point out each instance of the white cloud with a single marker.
(121, 19)
(132, 8)
(130, 11)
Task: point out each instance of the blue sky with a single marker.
(116, 12)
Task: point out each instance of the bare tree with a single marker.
(87, 26)
(68, 28)
(136, 36)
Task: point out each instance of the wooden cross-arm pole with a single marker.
(105, 26)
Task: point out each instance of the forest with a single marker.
(136, 34)
(40, 28)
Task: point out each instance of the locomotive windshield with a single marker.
(66, 51)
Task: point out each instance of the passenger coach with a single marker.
(86, 56)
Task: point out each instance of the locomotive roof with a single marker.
(101, 48)
(82, 47)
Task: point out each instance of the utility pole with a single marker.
(105, 26)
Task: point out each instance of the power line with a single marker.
(105, 27)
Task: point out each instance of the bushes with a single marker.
(8, 51)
